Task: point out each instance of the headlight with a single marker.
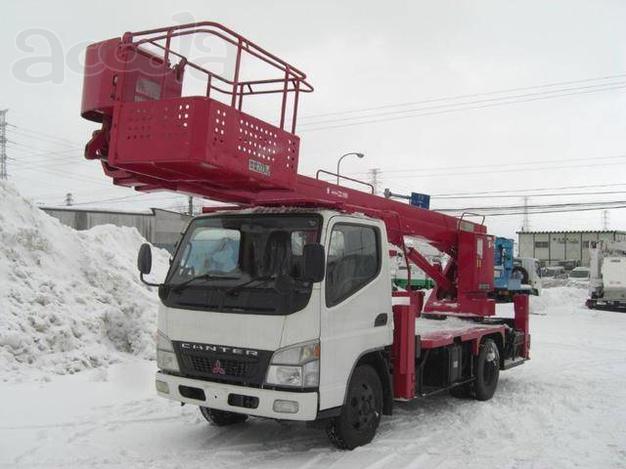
(166, 358)
(297, 366)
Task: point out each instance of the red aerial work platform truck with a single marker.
(281, 305)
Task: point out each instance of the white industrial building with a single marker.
(553, 247)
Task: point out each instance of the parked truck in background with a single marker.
(607, 280)
(531, 273)
(514, 275)
(579, 276)
(281, 306)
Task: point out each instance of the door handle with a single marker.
(381, 320)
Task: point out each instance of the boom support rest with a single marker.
(403, 351)
(521, 308)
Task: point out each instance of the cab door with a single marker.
(356, 315)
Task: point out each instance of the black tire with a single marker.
(222, 418)
(487, 371)
(360, 415)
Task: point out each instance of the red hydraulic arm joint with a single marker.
(433, 271)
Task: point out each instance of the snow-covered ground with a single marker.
(71, 302)
(565, 408)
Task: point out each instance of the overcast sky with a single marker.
(362, 55)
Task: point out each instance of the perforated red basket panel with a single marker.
(198, 139)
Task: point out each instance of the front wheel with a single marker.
(487, 371)
(222, 418)
(360, 415)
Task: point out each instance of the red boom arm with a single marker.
(154, 138)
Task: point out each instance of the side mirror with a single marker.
(144, 259)
(144, 263)
(314, 263)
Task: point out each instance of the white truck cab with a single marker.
(244, 329)
(288, 313)
(607, 278)
(531, 273)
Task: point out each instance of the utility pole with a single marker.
(190, 206)
(525, 220)
(3, 144)
(374, 174)
(605, 220)
(69, 199)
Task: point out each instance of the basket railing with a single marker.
(289, 79)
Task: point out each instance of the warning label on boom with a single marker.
(257, 167)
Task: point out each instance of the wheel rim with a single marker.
(363, 407)
(491, 366)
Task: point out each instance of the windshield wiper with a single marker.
(265, 278)
(182, 285)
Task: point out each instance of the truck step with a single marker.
(513, 362)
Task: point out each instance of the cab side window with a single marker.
(353, 260)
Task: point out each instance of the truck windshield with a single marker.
(243, 263)
(552, 272)
(579, 274)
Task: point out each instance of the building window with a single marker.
(585, 244)
(542, 244)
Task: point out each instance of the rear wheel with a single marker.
(487, 371)
(360, 415)
(222, 418)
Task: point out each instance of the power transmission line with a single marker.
(463, 96)
(455, 108)
(41, 135)
(38, 151)
(55, 161)
(553, 188)
(546, 94)
(512, 170)
(517, 196)
(43, 166)
(67, 175)
(500, 165)
(129, 198)
(119, 199)
(531, 208)
(553, 211)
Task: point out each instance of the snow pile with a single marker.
(581, 285)
(69, 300)
(558, 300)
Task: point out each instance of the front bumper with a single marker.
(216, 396)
